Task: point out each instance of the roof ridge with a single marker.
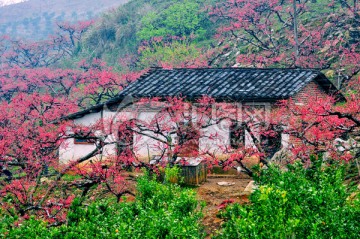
(236, 68)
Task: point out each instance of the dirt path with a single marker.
(214, 194)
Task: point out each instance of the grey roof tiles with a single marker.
(223, 83)
(237, 84)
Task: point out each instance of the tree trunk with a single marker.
(296, 33)
(355, 5)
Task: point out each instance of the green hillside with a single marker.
(143, 33)
(120, 33)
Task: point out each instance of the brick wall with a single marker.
(302, 97)
(312, 89)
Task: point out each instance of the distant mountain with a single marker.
(9, 2)
(36, 19)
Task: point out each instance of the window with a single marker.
(271, 141)
(82, 138)
(237, 135)
(82, 141)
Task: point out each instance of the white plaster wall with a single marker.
(214, 139)
(88, 119)
(69, 151)
(146, 147)
(111, 124)
(285, 140)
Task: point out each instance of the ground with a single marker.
(214, 194)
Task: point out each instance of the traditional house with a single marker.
(249, 90)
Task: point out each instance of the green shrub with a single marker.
(182, 18)
(298, 203)
(175, 53)
(173, 175)
(159, 211)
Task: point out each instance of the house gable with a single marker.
(311, 89)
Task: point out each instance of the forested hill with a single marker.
(246, 33)
(36, 19)
(191, 33)
(131, 27)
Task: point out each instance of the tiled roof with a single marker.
(224, 83)
(239, 84)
